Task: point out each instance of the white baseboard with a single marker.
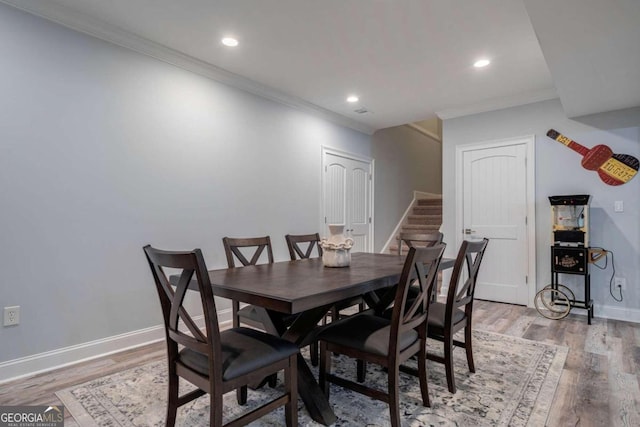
(599, 311)
(616, 313)
(50, 360)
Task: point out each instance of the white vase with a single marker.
(336, 248)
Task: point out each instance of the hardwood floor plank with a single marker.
(563, 410)
(624, 399)
(597, 338)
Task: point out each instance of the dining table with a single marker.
(308, 289)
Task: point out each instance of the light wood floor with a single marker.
(599, 384)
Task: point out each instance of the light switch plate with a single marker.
(618, 206)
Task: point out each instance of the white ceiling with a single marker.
(407, 59)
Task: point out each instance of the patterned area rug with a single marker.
(514, 385)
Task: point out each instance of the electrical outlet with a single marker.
(11, 315)
(620, 283)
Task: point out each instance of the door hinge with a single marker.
(526, 220)
(369, 177)
(325, 169)
(325, 219)
(369, 220)
(526, 280)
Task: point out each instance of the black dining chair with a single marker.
(384, 297)
(301, 246)
(250, 251)
(387, 342)
(419, 240)
(445, 319)
(216, 361)
(247, 251)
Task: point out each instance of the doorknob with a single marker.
(469, 231)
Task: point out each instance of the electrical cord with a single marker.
(613, 272)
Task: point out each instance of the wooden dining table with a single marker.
(307, 288)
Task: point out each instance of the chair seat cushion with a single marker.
(365, 332)
(436, 315)
(243, 350)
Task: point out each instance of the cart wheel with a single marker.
(552, 303)
(562, 288)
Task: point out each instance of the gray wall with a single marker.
(558, 171)
(103, 150)
(406, 160)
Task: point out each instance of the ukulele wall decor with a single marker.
(613, 169)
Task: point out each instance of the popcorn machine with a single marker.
(570, 254)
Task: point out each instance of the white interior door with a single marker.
(347, 191)
(496, 203)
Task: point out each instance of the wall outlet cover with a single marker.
(11, 315)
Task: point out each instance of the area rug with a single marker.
(514, 385)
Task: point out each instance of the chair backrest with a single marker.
(188, 264)
(461, 289)
(232, 249)
(419, 240)
(294, 243)
(420, 271)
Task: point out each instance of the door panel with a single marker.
(359, 207)
(336, 191)
(495, 206)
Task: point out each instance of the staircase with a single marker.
(425, 217)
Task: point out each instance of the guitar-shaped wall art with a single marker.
(613, 169)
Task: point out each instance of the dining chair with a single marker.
(296, 245)
(298, 250)
(215, 361)
(247, 251)
(445, 319)
(420, 240)
(387, 342)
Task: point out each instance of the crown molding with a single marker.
(498, 104)
(82, 23)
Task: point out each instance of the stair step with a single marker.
(417, 228)
(425, 219)
(427, 210)
(429, 202)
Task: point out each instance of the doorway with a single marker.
(347, 196)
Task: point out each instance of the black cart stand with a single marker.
(573, 260)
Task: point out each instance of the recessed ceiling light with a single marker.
(481, 63)
(352, 99)
(230, 41)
